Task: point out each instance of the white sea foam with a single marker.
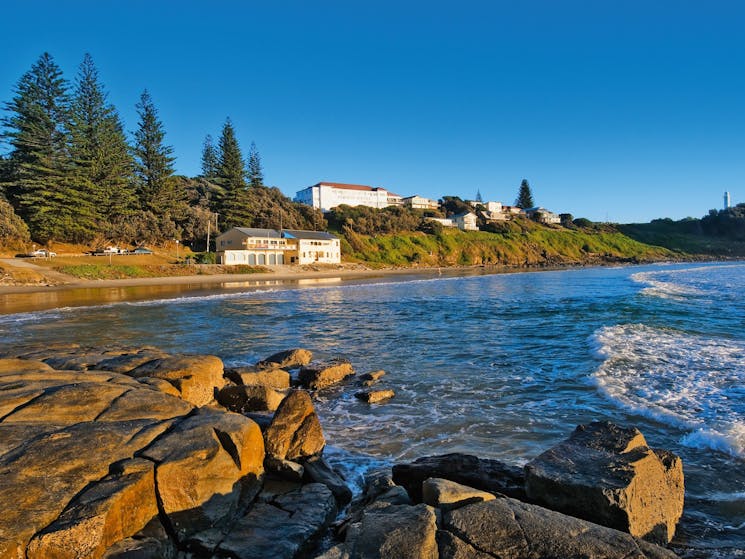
(683, 283)
(691, 382)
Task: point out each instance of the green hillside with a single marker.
(520, 243)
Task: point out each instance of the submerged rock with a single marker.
(375, 396)
(607, 474)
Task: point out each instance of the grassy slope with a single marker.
(524, 243)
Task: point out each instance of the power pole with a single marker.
(209, 222)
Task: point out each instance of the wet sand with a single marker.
(17, 299)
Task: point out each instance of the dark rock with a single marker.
(509, 528)
(242, 399)
(283, 528)
(286, 469)
(393, 532)
(607, 474)
(375, 396)
(316, 376)
(295, 432)
(319, 471)
(492, 476)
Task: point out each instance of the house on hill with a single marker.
(542, 215)
(466, 221)
(328, 195)
(269, 247)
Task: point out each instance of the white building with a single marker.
(420, 203)
(495, 207)
(269, 247)
(444, 221)
(466, 221)
(252, 247)
(328, 195)
(311, 247)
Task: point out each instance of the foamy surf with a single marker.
(691, 382)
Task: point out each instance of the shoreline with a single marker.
(40, 297)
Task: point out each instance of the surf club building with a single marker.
(328, 195)
(269, 247)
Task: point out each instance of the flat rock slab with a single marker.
(196, 377)
(492, 476)
(607, 474)
(272, 377)
(316, 376)
(447, 495)
(506, 528)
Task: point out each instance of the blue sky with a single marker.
(613, 110)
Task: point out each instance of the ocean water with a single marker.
(501, 366)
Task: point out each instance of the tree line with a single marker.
(72, 174)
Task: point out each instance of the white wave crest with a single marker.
(691, 382)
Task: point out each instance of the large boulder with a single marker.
(295, 432)
(509, 528)
(115, 508)
(196, 377)
(206, 467)
(607, 474)
(281, 528)
(393, 532)
(487, 475)
(316, 376)
(288, 359)
(374, 396)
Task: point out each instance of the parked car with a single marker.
(43, 253)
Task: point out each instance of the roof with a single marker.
(250, 232)
(318, 235)
(464, 214)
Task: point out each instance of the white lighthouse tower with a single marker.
(727, 204)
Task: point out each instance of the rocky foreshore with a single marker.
(135, 453)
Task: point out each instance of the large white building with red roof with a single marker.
(327, 195)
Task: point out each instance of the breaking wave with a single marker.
(691, 382)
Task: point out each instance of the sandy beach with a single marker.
(78, 292)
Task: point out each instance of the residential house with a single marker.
(542, 215)
(420, 203)
(466, 221)
(328, 195)
(269, 247)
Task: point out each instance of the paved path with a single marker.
(48, 273)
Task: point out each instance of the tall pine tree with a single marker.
(255, 173)
(231, 176)
(99, 149)
(154, 167)
(524, 196)
(42, 184)
(210, 158)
